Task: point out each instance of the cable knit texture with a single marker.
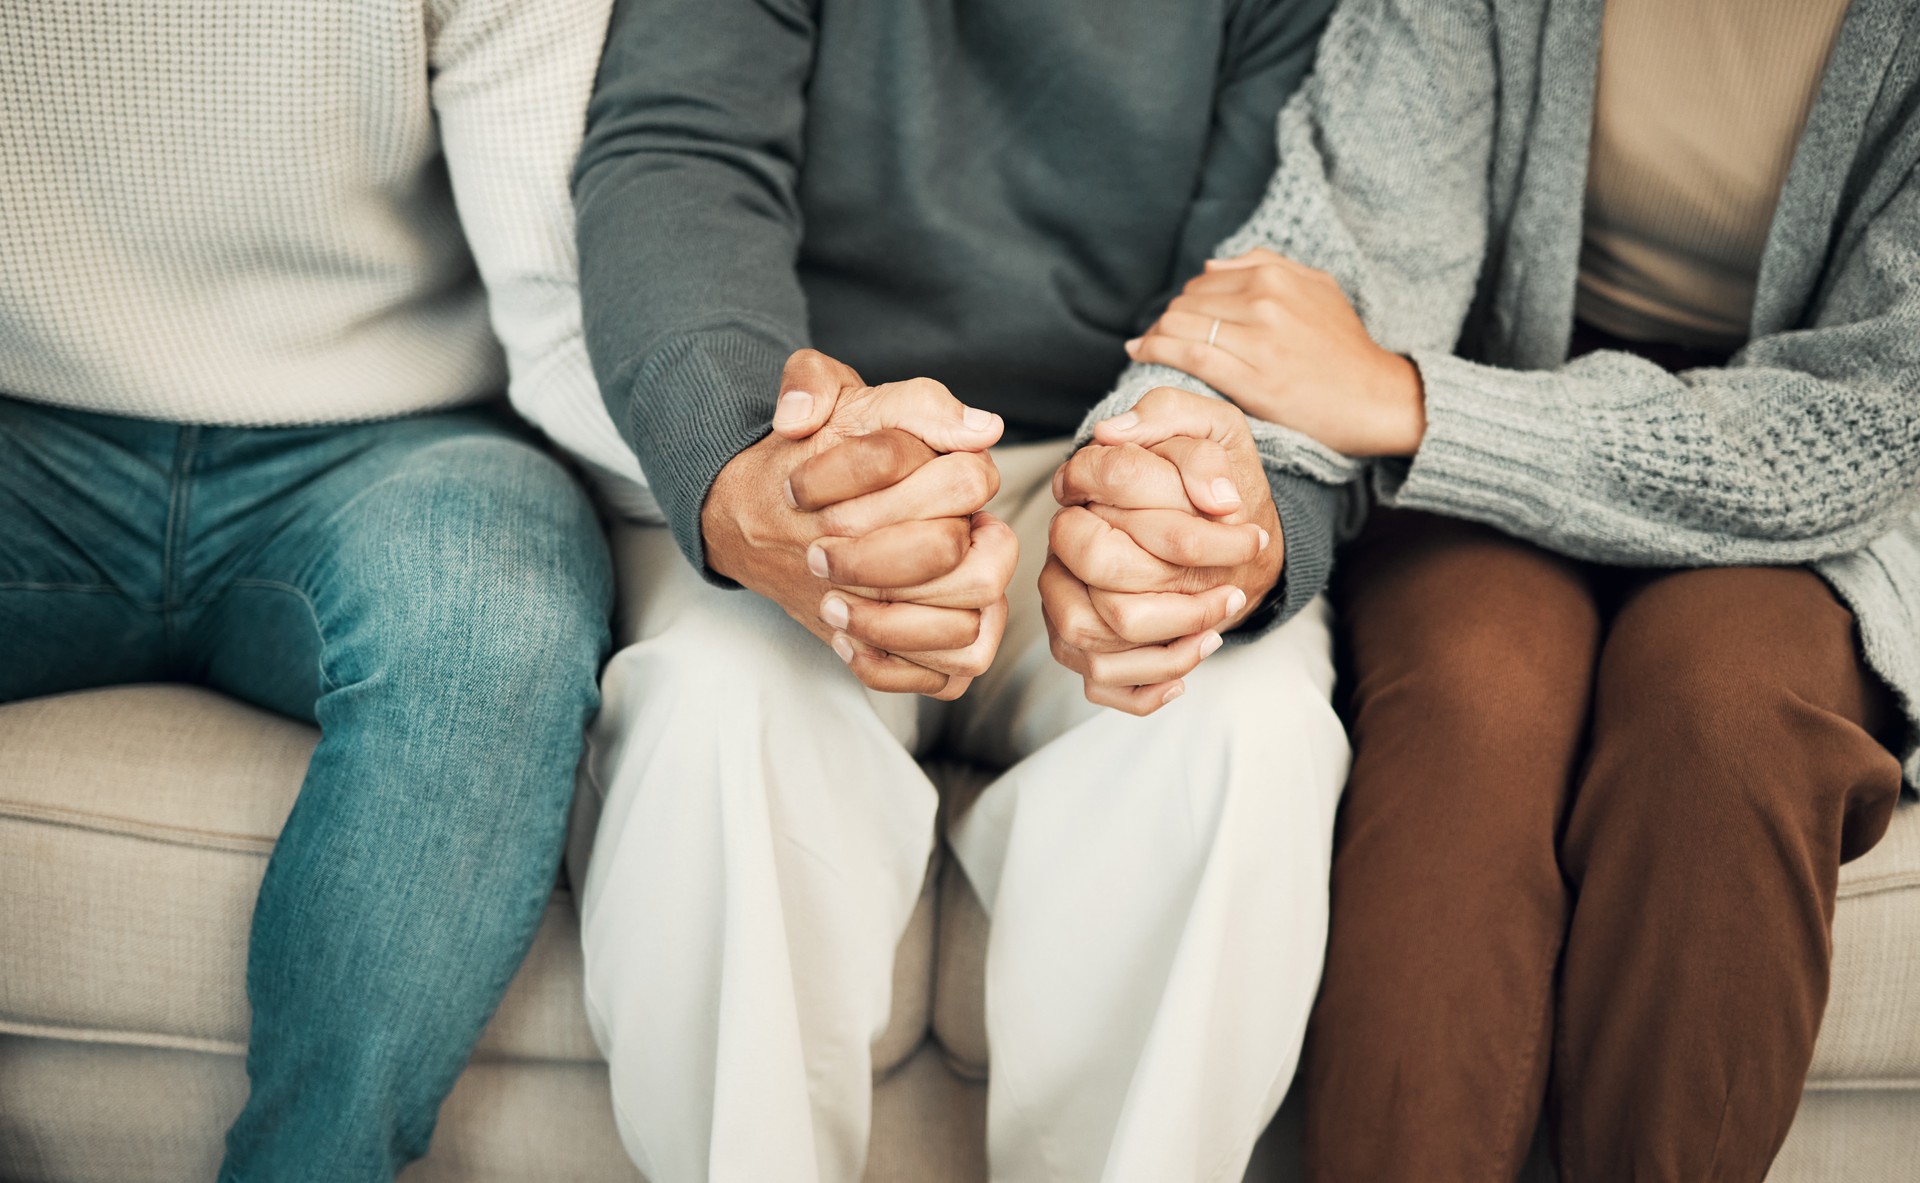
(270, 214)
(1454, 224)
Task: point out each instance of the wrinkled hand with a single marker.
(1167, 537)
(1290, 349)
(861, 517)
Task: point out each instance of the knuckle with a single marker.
(1080, 632)
(1267, 310)
(970, 484)
(1121, 467)
(1182, 547)
(1127, 618)
(927, 388)
(838, 520)
(953, 545)
(1193, 580)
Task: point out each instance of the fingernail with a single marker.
(1174, 691)
(794, 407)
(1224, 492)
(817, 560)
(977, 419)
(1209, 643)
(1266, 540)
(792, 501)
(833, 610)
(1236, 599)
(1124, 422)
(1131, 344)
(843, 647)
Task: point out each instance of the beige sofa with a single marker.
(134, 826)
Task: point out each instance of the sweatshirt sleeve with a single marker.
(689, 232)
(510, 86)
(1805, 447)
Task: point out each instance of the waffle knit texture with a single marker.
(1435, 163)
(265, 215)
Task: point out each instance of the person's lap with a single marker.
(1118, 808)
(1539, 744)
(432, 591)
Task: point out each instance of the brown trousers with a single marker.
(1588, 855)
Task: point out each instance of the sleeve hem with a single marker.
(1501, 446)
(696, 404)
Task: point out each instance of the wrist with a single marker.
(723, 532)
(1401, 400)
(1263, 575)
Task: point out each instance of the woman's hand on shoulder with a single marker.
(1284, 343)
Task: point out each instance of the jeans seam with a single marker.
(179, 504)
(88, 589)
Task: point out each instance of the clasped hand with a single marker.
(862, 516)
(1166, 538)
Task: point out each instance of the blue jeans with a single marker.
(433, 592)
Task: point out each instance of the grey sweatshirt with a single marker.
(994, 194)
(1435, 164)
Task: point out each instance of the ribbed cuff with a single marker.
(696, 404)
(1502, 447)
(1308, 511)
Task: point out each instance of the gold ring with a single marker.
(1214, 331)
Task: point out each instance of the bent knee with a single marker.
(1712, 660)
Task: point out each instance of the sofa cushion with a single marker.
(135, 825)
(1870, 1038)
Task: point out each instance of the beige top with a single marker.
(1698, 111)
(272, 214)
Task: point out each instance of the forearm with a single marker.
(1612, 459)
(689, 226)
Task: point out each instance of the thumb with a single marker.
(1166, 413)
(1206, 472)
(810, 385)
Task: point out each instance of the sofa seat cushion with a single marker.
(135, 825)
(1870, 1038)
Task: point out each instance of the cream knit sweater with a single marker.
(292, 213)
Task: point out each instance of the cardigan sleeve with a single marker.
(1405, 243)
(1806, 446)
(1383, 153)
(1384, 158)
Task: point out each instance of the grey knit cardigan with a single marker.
(1436, 164)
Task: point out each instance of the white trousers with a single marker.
(1157, 887)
